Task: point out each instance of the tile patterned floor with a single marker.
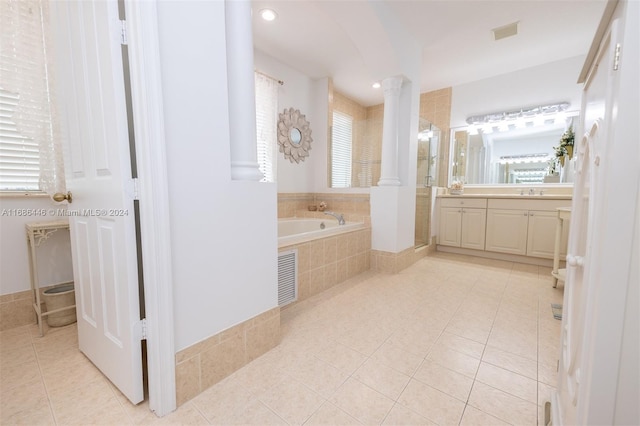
(452, 340)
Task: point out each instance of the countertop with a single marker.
(511, 196)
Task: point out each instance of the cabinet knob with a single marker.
(575, 260)
(526, 214)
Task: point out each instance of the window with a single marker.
(266, 125)
(30, 155)
(341, 157)
(19, 155)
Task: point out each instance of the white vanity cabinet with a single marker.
(463, 222)
(524, 227)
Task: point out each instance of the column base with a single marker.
(389, 182)
(245, 170)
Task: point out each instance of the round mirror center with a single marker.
(295, 136)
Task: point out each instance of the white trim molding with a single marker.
(146, 91)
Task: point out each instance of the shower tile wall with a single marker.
(436, 108)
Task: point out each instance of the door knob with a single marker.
(59, 197)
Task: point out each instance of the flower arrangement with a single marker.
(566, 146)
(457, 186)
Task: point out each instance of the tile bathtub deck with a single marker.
(451, 340)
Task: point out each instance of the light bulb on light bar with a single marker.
(268, 14)
(472, 130)
(487, 129)
(376, 85)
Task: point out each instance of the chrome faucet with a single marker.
(532, 191)
(340, 217)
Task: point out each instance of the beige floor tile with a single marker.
(111, 413)
(456, 361)
(544, 393)
(254, 413)
(474, 417)
(20, 402)
(362, 402)
(186, 414)
(19, 374)
(342, 357)
(397, 357)
(548, 373)
(222, 399)
(443, 309)
(330, 415)
(508, 382)
(400, 415)
(319, 376)
(70, 404)
(445, 380)
(11, 357)
(502, 405)
(292, 401)
(431, 403)
(462, 345)
(381, 378)
(14, 338)
(515, 342)
(512, 362)
(259, 376)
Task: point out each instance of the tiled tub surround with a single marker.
(355, 207)
(204, 364)
(327, 261)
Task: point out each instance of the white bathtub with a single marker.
(297, 231)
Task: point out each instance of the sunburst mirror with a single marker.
(294, 135)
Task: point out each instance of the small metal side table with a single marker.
(564, 213)
(37, 233)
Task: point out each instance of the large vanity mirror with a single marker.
(510, 154)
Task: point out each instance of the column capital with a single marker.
(391, 86)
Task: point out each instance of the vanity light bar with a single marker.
(526, 158)
(523, 113)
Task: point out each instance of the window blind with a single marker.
(19, 155)
(341, 156)
(30, 147)
(266, 125)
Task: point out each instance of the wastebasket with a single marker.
(60, 297)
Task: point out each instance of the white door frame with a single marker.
(153, 192)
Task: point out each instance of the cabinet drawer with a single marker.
(479, 203)
(506, 204)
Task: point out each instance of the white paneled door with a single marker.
(89, 54)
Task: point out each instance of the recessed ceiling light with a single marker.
(268, 14)
(376, 85)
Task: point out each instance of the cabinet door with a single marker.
(450, 225)
(507, 231)
(474, 223)
(541, 234)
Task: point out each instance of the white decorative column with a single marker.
(389, 164)
(241, 86)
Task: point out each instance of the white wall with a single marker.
(552, 82)
(300, 92)
(223, 233)
(54, 255)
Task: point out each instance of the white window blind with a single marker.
(341, 157)
(30, 151)
(266, 125)
(19, 155)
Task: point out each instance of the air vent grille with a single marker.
(287, 277)
(505, 31)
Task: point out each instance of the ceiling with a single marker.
(357, 42)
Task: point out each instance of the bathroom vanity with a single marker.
(502, 226)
